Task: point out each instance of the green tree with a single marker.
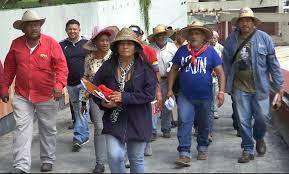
(144, 9)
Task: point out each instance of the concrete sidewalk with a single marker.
(223, 152)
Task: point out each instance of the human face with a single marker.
(73, 31)
(246, 25)
(102, 42)
(161, 39)
(126, 49)
(32, 30)
(214, 40)
(196, 38)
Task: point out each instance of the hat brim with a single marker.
(125, 39)
(169, 33)
(235, 20)
(208, 33)
(18, 25)
(112, 30)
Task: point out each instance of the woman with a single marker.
(99, 45)
(127, 117)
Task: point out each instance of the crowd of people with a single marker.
(186, 67)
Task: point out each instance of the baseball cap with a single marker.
(136, 29)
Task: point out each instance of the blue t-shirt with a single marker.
(196, 80)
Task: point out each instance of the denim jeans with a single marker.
(166, 115)
(99, 138)
(116, 155)
(81, 130)
(249, 107)
(186, 113)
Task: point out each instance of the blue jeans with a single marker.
(81, 130)
(116, 155)
(186, 115)
(166, 115)
(248, 107)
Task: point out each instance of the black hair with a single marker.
(72, 21)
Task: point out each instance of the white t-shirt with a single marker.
(32, 49)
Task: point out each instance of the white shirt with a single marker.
(165, 56)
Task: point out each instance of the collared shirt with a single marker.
(165, 56)
(38, 73)
(75, 57)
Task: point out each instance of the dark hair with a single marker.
(72, 21)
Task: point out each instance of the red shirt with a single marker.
(38, 73)
(151, 56)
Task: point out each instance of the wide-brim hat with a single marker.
(196, 25)
(158, 30)
(98, 30)
(28, 16)
(126, 34)
(245, 12)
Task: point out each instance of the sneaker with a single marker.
(174, 124)
(238, 133)
(154, 137)
(167, 135)
(261, 147)
(71, 126)
(46, 167)
(246, 157)
(210, 138)
(127, 165)
(16, 170)
(76, 147)
(216, 115)
(99, 168)
(148, 150)
(202, 155)
(183, 161)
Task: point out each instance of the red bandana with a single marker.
(195, 54)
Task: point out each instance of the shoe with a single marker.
(154, 137)
(202, 155)
(210, 138)
(238, 133)
(99, 168)
(84, 142)
(127, 165)
(148, 150)
(246, 157)
(196, 132)
(167, 135)
(216, 115)
(46, 167)
(261, 147)
(16, 170)
(76, 147)
(71, 126)
(183, 161)
(174, 124)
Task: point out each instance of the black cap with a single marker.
(136, 29)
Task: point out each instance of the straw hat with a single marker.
(160, 29)
(28, 16)
(97, 30)
(199, 26)
(245, 13)
(126, 34)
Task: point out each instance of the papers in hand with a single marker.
(275, 100)
(156, 109)
(92, 89)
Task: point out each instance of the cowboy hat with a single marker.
(196, 25)
(97, 30)
(28, 16)
(158, 30)
(126, 34)
(245, 12)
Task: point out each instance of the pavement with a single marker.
(223, 152)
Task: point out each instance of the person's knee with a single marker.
(115, 156)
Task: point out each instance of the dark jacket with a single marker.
(75, 57)
(135, 120)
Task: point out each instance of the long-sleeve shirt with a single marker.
(38, 71)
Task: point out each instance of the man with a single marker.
(1, 80)
(38, 63)
(151, 55)
(165, 53)
(75, 56)
(248, 70)
(194, 63)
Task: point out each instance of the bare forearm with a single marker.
(172, 76)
